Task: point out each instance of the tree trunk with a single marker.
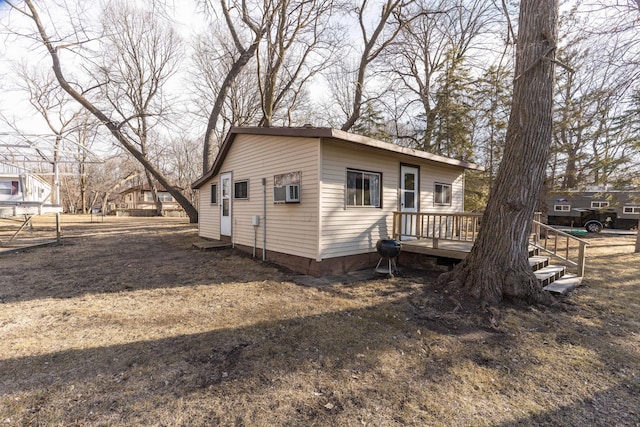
(238, 65)
(245, 56)
(369, 53)
(111, 189)
(154, 193)
(498, 266)
(114, 128)
(637, 250)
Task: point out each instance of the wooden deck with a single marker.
(443, 248)
(451, 235)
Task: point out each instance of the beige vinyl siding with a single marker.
(432, 173)
(291, 228)
(208, 214)
(356, 230)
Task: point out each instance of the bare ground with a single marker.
(126, 324)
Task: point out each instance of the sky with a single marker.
(14, 103)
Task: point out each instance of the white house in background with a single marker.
(319, 199)
(138, 201)
(22, 192)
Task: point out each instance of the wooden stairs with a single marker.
(554, 278)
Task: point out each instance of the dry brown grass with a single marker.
(125, 324)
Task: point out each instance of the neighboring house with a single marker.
(594, 208)
(22, 192)
(319, 199)
(138, 201)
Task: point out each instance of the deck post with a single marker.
(581, 257)
(537, 217)
(394, 226)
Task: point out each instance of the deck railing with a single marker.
(557, 243)
(437, 226)
(465, 226)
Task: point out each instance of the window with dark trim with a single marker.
(214, 193)
(241, 189)
(364, 188)
(442, 194)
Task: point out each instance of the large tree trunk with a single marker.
(498, 266)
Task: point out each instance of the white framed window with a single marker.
(165, 196)
(241, 189)
(631, 210)
(599, 204)
(5, 187)
(363, 188)
(214, 193)
(9, 188)
(561, 208)
(442, 194)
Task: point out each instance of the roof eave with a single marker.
(322, 132)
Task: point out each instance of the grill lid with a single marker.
(388, 248)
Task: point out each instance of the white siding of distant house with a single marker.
(31, 188)
(292, 228)
(355, 230)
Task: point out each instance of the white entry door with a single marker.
(225, 205)
(409, 194)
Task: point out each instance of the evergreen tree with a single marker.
(453, 122)
(371, 123)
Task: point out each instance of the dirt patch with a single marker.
(126, 324)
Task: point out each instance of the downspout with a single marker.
(264, 219)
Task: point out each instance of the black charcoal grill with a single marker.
(388, 249)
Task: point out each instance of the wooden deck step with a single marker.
(550, 273)
(208, 245)
(538, 261)
(564, 285)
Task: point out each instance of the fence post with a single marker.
(58, 227)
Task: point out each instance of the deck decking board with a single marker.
(445, 249)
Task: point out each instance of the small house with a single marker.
(138, 201)
(319, 199)
(594, 208)
(23, 192)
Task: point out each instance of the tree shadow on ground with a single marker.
(328, 364)
(83, 383)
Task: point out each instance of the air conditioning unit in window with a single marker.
(289, 193)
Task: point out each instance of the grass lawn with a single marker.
(126, 324)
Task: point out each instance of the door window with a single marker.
(226, 194)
